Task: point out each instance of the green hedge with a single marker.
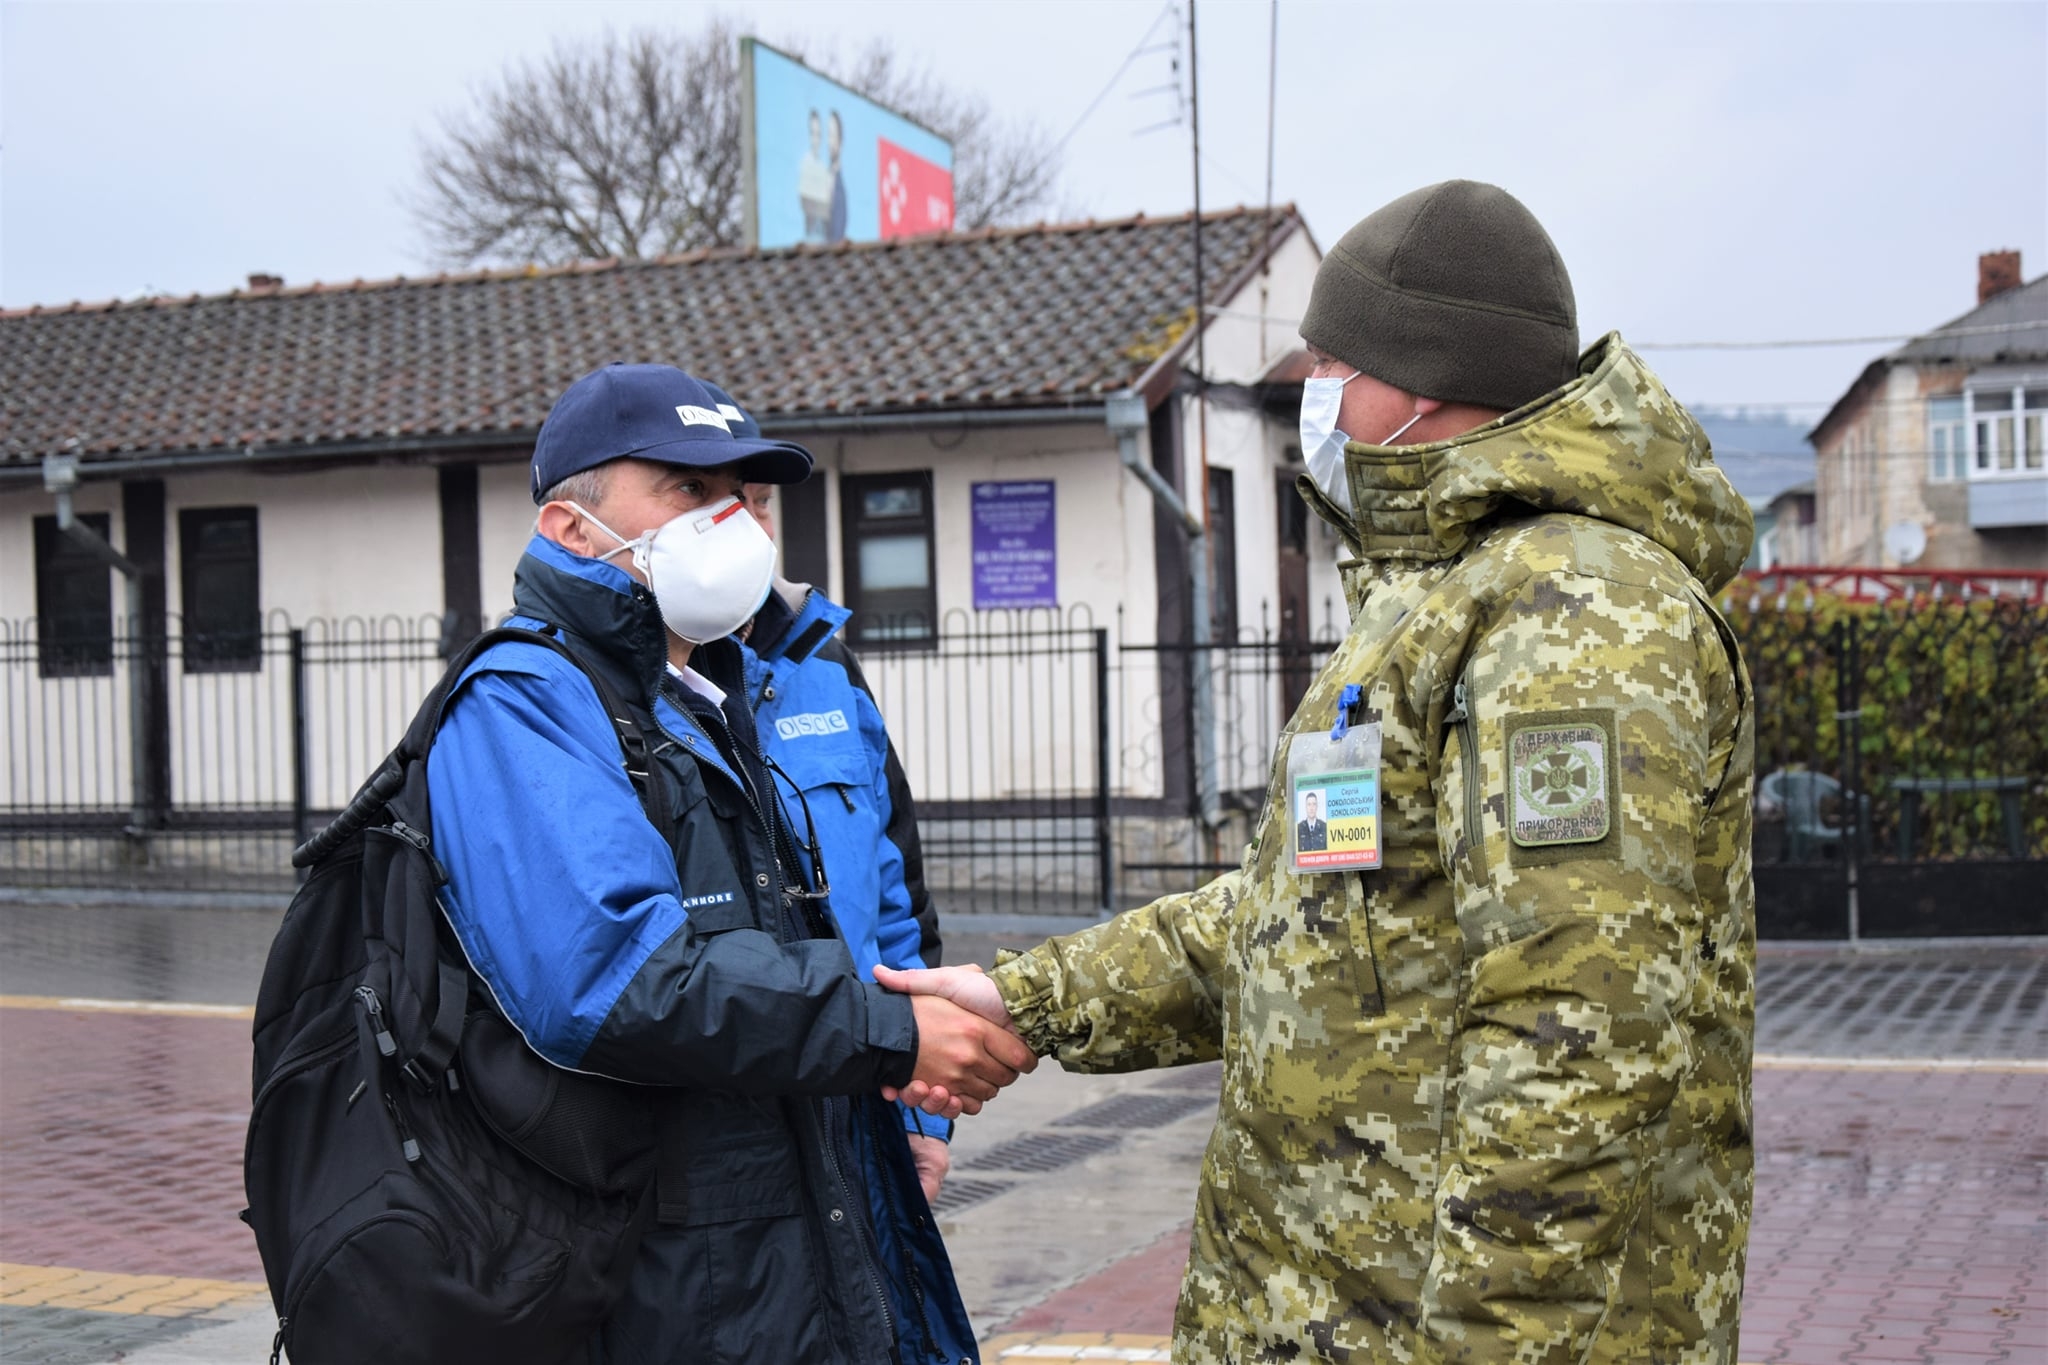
(1944, 689)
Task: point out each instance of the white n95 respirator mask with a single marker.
(710, 569)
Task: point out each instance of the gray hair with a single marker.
(586, 487)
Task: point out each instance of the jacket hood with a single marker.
(1612, 444)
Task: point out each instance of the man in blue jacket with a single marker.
(689, 952)
(818, 720)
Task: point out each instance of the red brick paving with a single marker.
(121, 1143)
(1136, 1294)
(1900, 1216)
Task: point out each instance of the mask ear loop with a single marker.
(637, 546)
(810, 835)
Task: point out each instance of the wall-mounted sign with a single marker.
(1015, 562)
(821, 164)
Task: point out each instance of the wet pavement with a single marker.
(1902, 1130)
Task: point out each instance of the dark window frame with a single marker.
(889, 623)
(219, 636)
(800, 531)
(67, 573)
(1222, 495)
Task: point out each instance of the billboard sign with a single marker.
(825, 165)
(1015, 562)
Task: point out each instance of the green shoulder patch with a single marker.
(1561, 780)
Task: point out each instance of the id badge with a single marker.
(1333, 788)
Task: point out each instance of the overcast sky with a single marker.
(1710, 171)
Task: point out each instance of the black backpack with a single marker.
(423, 1186)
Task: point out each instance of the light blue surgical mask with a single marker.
(1322, 445)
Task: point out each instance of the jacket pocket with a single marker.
(726, 1159)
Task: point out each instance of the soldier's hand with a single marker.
(968, 987)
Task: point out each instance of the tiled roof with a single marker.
(1030, 317)
(2007, 328)
(2012, 326)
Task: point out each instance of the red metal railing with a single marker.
(1878, 585)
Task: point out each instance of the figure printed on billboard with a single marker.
(814, 184)
(861, 172)
(835, 227)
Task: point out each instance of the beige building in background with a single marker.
(1935, 457)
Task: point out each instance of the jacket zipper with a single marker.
(746, 786)
(910, 1224)
(1468, 768)
(829, 1105)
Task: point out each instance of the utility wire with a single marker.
(1984, 329)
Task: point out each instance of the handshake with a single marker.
(967, 1048)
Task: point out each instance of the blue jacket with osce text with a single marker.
(818, 720)
(672, 958)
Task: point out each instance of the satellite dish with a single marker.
(1905, 541)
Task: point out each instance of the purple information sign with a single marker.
(1015, 564)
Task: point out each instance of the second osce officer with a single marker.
(687, 953)
(819, 722)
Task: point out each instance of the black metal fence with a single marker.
(156, 760)
(1902, 762)
(1902, 756)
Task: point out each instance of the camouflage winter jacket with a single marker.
(1490, 1101)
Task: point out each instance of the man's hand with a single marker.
(963, 1056)
(933, 1158)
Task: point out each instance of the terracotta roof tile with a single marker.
(1006, 317)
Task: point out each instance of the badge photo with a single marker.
(1333, 790)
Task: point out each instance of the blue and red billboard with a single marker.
(826, 165)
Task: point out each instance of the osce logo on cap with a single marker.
(811, 723)
(694, 416)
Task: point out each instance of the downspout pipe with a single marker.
(1127, 416)
(60, 479)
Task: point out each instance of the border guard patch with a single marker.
(1561, 780)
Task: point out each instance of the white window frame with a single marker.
(1988, 437)
(1948, 457)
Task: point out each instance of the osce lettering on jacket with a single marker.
(811, 723)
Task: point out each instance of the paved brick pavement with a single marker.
(121, 1143)
(1901, 1214)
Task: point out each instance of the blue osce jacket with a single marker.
(818, 720)
(672, 957)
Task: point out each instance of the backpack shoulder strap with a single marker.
(389, 779)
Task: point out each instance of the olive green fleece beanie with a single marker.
(1454, 292)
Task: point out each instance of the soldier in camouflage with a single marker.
(1490, 1100)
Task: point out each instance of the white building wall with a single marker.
(505, 513)
(18, 511)
(340, 543)
(1014, 713)
(65, 740)
(352, 556)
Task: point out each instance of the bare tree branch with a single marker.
(631, 148)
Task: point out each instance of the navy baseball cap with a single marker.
(743, 425)
(656, 412)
